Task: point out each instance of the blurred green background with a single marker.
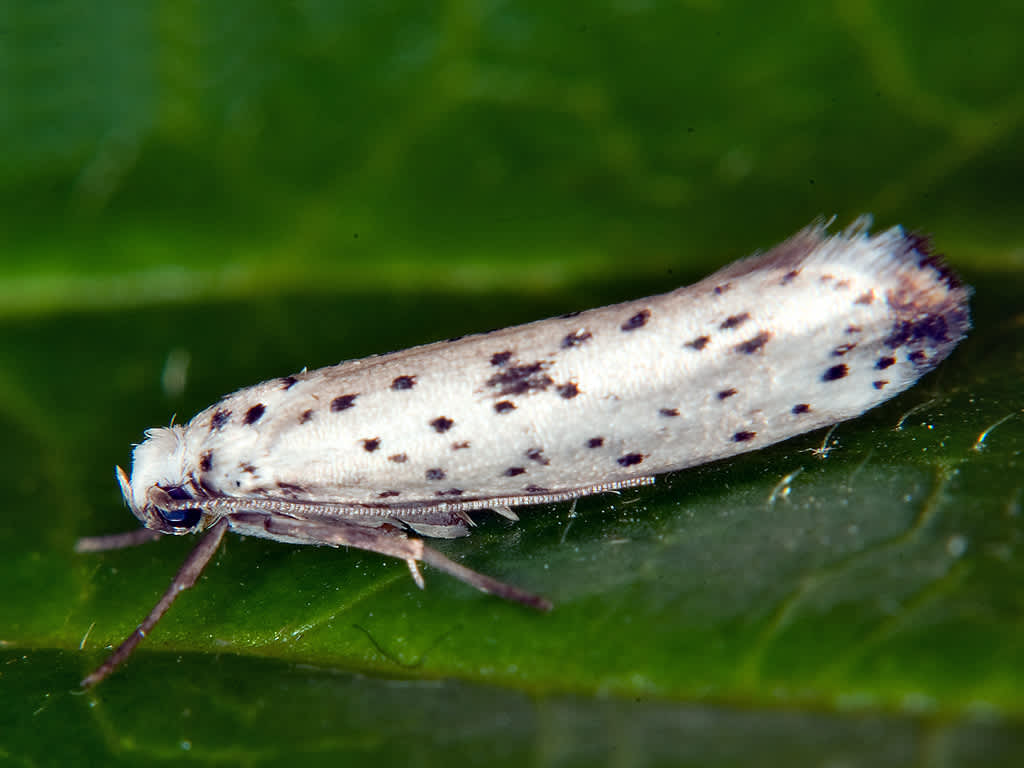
(195, 196)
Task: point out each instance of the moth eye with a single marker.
(181, 518)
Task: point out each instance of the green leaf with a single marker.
(201, 196)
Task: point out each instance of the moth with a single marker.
(381, 452)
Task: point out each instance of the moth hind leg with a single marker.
(394, 543)
(414, 571)
(505, 511)
(484, 583)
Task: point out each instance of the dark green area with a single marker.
(255, 190)
(226, 710)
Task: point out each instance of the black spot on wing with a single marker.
(630, 459)
(499, 359)
(726, 393)
(734, 321)
(835, 373)
(400, 383)
(513, 471)
(929, 329)
(568, 391)
(343, 402)
(537, 454)
(288, 382)
(801, 408)
(750, 346)
(442, 424)
(521, 379)
(504, 406)
(450, 492)
(305, 416)
(668, 412)
(371, 444)
(398, 458)
(575, 339)
(435, 473)
(699, 343)
(206, 461)
(884, 362)
(595, 442)
(743, 436)
(220, 418)
(254, 414)
(639, 320)
(866, 298)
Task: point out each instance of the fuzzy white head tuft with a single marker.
(159, 460)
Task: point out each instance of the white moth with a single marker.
(362, 454)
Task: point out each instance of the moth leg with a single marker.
(116, 540)
(185, 578)
(398, 545)
(414, 571)
(484, 583)
(506, 512)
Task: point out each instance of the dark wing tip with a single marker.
(920, 244)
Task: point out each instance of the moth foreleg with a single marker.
(116, 540)
(393, 543)
(185, 578)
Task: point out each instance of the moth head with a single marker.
(157, 493)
